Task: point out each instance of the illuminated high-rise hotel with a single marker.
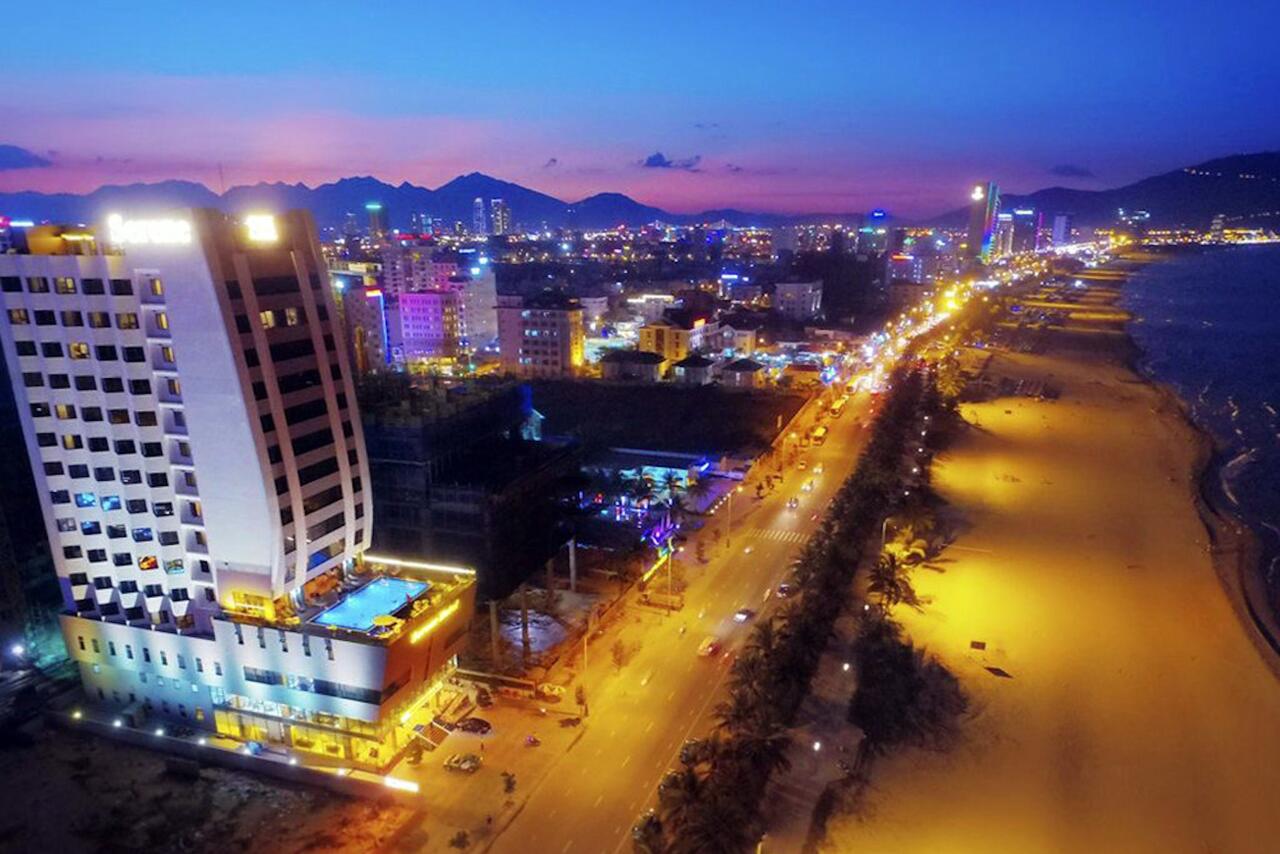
(984, 208)
(190, 418)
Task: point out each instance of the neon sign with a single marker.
(143, 232)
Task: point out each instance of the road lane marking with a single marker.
(567, 846)
(625, 761)
(649, 727)
(599, 798)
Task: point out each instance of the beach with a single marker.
(1122, 699)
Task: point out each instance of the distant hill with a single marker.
(330, 203)
(1243, 185)
(1246, 186)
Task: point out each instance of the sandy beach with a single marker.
(1139, 711)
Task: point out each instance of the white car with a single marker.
(808, 486)
(819, 468)
(742, 615)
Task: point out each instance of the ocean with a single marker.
(1208, 323)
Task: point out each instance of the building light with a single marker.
(431, 625)
(261, 228)
(977, 194)
(402, 785)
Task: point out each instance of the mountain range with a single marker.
(1244, 186)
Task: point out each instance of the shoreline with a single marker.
(1236, 548)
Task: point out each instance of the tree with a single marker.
(619, 653)
(647, 836)
(678, 799)
(889, 581)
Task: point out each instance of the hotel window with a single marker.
(71, 552)
(102, 474)
(90, 528)
(46, 440)
(128, 651)
(164, 656)
(106, 353)
(96, 647)
(142, 535)
(162, 508)
(86, 383)
(97, 556)
(130, 476)
(136, 505)
(290, 317)
(53, 469)
(117, 532)
(162, 320)
(86, 499)
(99, 320)
(111, 647)
(156, 287)
(166, 353)
(112, 385)
(134, 354)
(127, 320)
(67, 524)
(78, 350)
(111, 502)
(25, 348)
(121, 288)
(72, 318)
(97, 444)
(59, 381)
(64, 285)
(46, 318)
(11, 284)
(152, 449)
(59, 496)
(38, 285)
(125, 447)
(118, 416)
(157, 479)
(139, 386)
(268, 319)
(79, 470)
(31, 379)
(182, 662)
(72, 443)
(217, 668)
(91, 413)
(93, 287)
(19, 317)
(168, 538)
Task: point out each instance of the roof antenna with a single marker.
(222, 182)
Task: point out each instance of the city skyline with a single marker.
(817, 110)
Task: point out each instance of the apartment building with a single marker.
(542, 335)
(189, 414)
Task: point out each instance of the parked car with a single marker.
(708, 647)
(467, 763)
(742, 615)
(475, 726)
(785, 590)
(483, 698)
(819, 468)
(793, 503)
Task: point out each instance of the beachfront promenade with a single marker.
(1137, 713)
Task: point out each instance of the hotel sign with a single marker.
(148, 232)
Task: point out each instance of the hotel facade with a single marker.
(190, 418)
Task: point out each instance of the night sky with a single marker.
(797, 106)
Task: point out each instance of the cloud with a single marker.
(1069, 170)
(552, 162)
(734, 168)
(658, 160)
(706, 125)
(13, 157)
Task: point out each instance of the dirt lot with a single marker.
(65, 792)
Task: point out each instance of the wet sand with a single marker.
(1140, 713)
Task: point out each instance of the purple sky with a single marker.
(803, 106)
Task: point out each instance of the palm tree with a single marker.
(697, 489)
(679, 794)
(647, 836)
(888, 580)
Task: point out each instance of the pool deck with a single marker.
(358, 609)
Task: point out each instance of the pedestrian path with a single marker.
(777, 535)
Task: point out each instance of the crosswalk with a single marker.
(778, 536)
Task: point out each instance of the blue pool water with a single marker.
(381, 596)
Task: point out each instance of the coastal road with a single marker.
(665, 694)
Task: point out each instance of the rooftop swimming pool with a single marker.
(360, 608)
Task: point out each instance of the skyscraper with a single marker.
(500, 216)
(984, 207)
(190, 417)
(1026, 229)
(479, 225)
(1063, 226)
(377, 220)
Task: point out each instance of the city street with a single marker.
(665, 694)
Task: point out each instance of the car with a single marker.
(808, 486)
(793, 503)
(819, 468)
(467, 763)
(475, 726)
(802, 465)
(785, 591)
(708, 647)
(743, 614)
